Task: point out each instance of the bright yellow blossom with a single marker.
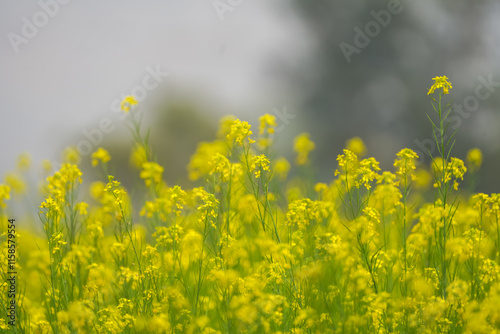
(259, 163)
(240, 131)
(440, 82)
(406, 164)
(127, 103)
(258, 255)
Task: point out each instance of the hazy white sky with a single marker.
(61, 73)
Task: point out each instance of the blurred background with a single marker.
(335, 69)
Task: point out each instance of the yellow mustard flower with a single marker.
(70, 155)
(102, 155)
(474, 159)
(367, 172)
(127, 103)
(16, 182)
(200, 165)
(303, 212)
(138, 156)
(80, 315)
(303, 145)
(151, 172)
(95, 190)
(440, 82)
(266, 128)
(406, 163)
(225, 126)
(24, 161)
(240, 131)
(57, 242)
(281, 167)
(422, 179)
(457, 169)
(267, 123)
(357, 146)
(3, 325)
(320, 187)
(82, 208)
(46, 165)
(347, 162)
(259, 163)
(220, 164)
(114, 187)
(4, 194)
(208, 210)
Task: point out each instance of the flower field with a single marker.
(252, 249)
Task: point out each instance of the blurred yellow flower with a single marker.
(102, 155)
(200, 161)
(46, 165)
(4, 194)
(267, 123)
(82, 208)
(225, 126)
(3, 325)
(422, 179)
(474, 159)
(303, 145)
(357, 146)
(127, 103)
(71, 155)
(281, 167)
(24, 161)
(15, 182)
(138, 156)
(320, 187)
(96, 189)
(151, 171)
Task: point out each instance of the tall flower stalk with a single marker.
(446, 169)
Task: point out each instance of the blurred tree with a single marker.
(379, 91)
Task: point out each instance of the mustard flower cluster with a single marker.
(251, 249)
(127, 103)
(440, 82)
(303, 145)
